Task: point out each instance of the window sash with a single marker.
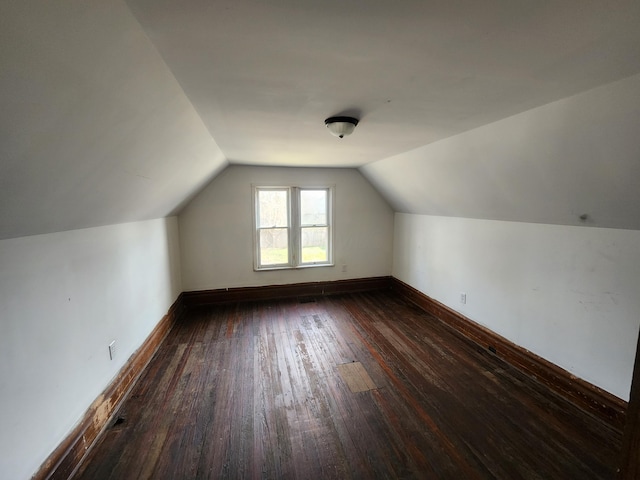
(270, 256)
(319, 252)
(272, 222)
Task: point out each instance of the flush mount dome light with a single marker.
(341, 126)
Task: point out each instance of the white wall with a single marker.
(216, 230)
(568, 294)
(63, 298)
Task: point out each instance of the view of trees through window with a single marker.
(273, 206)
(313, 224)
(307, 214)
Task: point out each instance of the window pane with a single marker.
(274, 246)
(272, 206)
(313, 207)
(315, 244)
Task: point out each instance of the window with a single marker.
(292, 227)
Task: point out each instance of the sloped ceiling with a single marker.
(94, 128)
(575, 161)
(115, 112)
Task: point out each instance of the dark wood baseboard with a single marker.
(272, 292)
(583, 394)
(65, 459)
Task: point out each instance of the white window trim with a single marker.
(294, 227)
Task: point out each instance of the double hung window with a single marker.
(293, 227)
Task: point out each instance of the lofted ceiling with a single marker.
(115, 112)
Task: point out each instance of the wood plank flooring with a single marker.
(254, 391)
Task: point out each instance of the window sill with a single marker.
(289, 267)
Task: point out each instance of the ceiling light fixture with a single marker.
(341, 126)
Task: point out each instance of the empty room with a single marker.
(300, 239)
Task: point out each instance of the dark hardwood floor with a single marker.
(254, 391)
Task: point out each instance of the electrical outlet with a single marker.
(463, 298)
(344, 268)
(112, 350)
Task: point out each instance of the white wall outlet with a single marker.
(344, 268)
(112, 350)
(463, 298)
